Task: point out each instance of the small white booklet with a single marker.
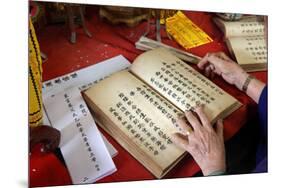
(82, 145)
(83, 79)
(112, 151)
(86, 152)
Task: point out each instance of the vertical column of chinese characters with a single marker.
(77, 115)
(138, 123)
(165, 108)
(257, 48)
(184, 90)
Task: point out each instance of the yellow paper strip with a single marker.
(185, 32)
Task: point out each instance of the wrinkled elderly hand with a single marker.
(220, 64)
(202, 141)
(231, 72)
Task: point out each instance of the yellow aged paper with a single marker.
(182, 85)
(140, 114)
(185, 32)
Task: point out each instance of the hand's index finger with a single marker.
(194, 122)
(203, 117)
(183, 125)
(203, 62)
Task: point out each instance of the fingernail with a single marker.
(187, 111)
(220, 121)
(173, 135)
(180, 115)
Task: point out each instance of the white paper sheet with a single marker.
(60, 117)
(82, 145)
(83, 79)
(112, 151)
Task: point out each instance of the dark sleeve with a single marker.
(262, 105)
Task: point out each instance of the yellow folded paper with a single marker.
(185, 32)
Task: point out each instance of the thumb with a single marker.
(219, 128)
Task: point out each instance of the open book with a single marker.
(246, 41)
(139, 107)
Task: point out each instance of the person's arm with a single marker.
(231, 72)
(262, 109)
(255, 89)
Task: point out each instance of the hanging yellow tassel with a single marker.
(34, 79)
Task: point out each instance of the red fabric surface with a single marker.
(46, 170)
(109, 41)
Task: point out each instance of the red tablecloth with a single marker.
(109, 41)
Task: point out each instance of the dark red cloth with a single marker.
(109, 41)
(45, 169)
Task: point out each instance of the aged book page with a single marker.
(138, 118)
(182, 85)
(250, 52)
(249, 26)
(246, 41)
